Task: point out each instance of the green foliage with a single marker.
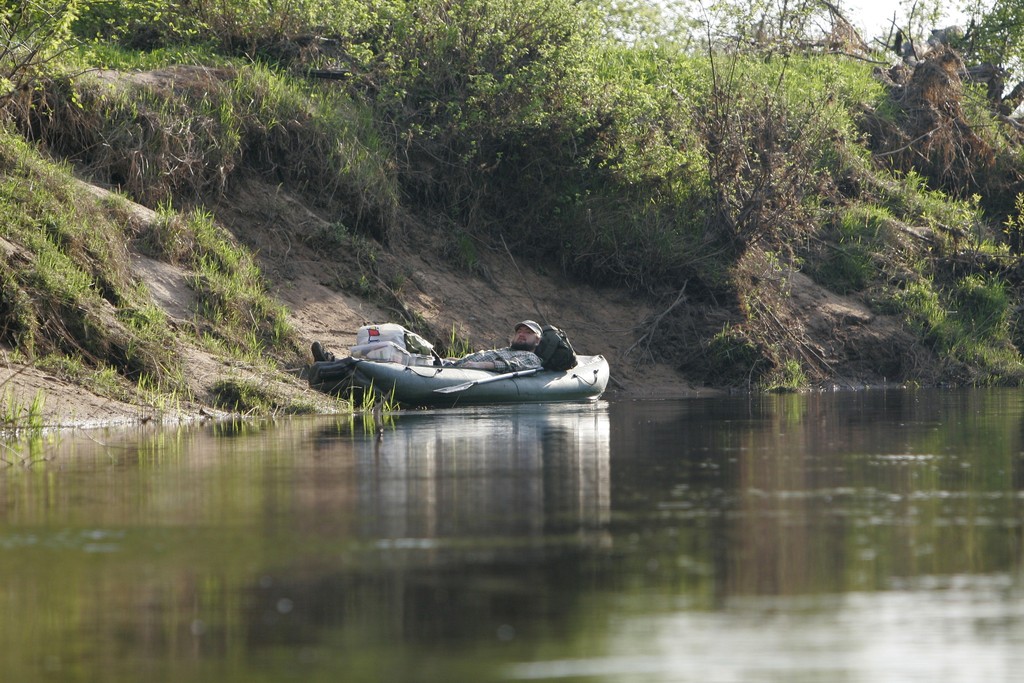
(142, 140)
(242, 397)
(618, 189)
(1014, 226)
(372, 400)
(67, 287)
(909, 197)
(852, 261)
(511, 117)
(234, 25)
(645, 133)
(969, 325)
(473, 84)
(592, 140)
(33, 35)
(327, 142)
(18, 325)
(456, 346)
(996, 36)
(789, 377)
(984, 307)
(107, 55)
(157, 141)
(16, 415)
(643, 199)
(921, 303)
(146, 24)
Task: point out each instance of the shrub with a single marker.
(34, 34)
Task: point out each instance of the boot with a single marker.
(320, 354)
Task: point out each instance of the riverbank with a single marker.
(479, 311)
(479, 308)
(177, 236)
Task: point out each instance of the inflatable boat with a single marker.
(431, 385)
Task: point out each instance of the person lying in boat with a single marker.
(519, 355)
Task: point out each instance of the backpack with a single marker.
(555, 351)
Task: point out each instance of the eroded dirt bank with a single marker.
(330, 292)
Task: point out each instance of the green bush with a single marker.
(34, 35)
(141, 24)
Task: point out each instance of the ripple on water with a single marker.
(85, 540)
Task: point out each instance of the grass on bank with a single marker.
(250, 397)
(70, 303)
(184, 131)
(230, 291)
(68, 288)
(968, 325)
(17, 415)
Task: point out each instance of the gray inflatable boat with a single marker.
(416, 385)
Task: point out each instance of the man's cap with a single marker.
(534, 327)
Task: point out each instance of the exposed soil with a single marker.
(482, 308)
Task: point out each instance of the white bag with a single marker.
(388, 332)
(391, 343)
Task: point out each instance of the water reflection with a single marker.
(825, 493)
(461, 515)
(966, 629)
(509, 472)
(851, 537)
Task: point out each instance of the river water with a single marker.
(849, 537)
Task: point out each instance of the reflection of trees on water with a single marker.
(469, 528)
(802, 494)
(198, 544)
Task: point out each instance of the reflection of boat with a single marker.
(446, 386)
(488, 472)
(452, 526)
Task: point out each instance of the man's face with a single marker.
(524, 339)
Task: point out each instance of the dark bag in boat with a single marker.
(555, 351)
